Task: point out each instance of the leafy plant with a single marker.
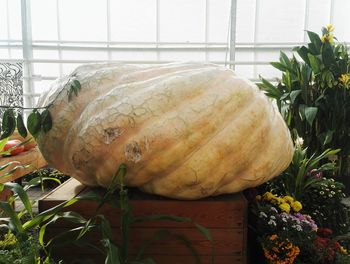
(49, 173)
(25, 223)
(39, 119)
(313, 94)
(302, 174)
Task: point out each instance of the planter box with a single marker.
(225, 216)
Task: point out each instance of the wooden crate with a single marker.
(225, 216)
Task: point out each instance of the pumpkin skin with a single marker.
(184, 130)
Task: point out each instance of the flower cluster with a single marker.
(326, 247)
(279, 250)
(323, 203)
(280, 217)
(327, 35)
(285, 204)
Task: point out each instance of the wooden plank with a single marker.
(68, 257)
(31, 157)
(226, 241)
(225, 216)
(210, 213)
(66, 191)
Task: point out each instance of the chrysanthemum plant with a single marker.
(313, 94)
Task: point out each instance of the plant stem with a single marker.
(21, 107)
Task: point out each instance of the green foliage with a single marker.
(323, 202)
(38, 120)
(56, 177)
(299, 177)
(313, 94)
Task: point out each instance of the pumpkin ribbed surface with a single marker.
(184, 130)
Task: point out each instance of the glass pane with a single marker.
(15, 22)
(16, 53)
(319, 13)
(219, 14)
(84, 55)
(246, 71)
(82, 20)
(69, 67)
(341, 18)
(285, 25)
(134, 55)
(45, 54)
(217, 56)
(133, 20)
(42, 86)
(3, 20)
(182, 21)
(4, 54)
(245, 20)
(44, 24)
(46, 69)
(182, 55)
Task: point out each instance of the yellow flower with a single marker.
(268, 196)
(297, 206)
(258, 198)
(288, 199)
(327, 38)
(330, 27)
(343, 250)
(285, 207)
(344, 78)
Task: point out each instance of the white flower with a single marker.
(273, 209)
(262, 214)
(298, 228)
(273, 217)
(299, 141)
(271, 222)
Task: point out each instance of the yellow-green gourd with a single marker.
(184, 130)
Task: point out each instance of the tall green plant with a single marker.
(313, 94)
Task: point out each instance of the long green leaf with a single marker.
(327, 54)
(293, 95)
(46, 121)
(314, 63)
(279, 66)
(34, 123)
(48, 214)
(21, 127)
(2, 144)
(13, 170)
(8, 123)
(310, 114)
(204, 231)
(18, 189)
(112, 253)
(315, 39)
(15, 223)
(270, 89)
(303, 53)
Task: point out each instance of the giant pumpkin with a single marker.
(184, 130)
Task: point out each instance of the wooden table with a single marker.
(31, 157)
(225, 216)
